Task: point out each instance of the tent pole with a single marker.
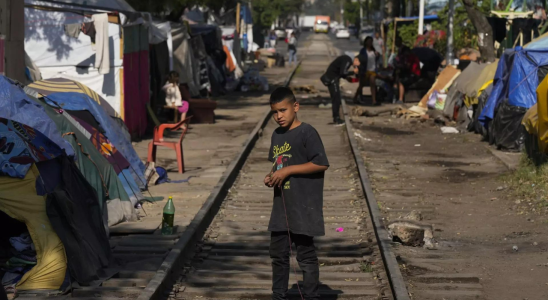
(238, 18)
(449, 55)
(421, 17)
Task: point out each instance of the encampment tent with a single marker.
(58, 206)
(84, 108)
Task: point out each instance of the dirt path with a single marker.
(454, 181)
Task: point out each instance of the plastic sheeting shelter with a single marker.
(22, 143)
(56, 85)
(500, 87)
(539, 43)
(536, 122)
(518, 79)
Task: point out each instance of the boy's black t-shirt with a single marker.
(303, 194)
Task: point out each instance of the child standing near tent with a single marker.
(297, 176)
(173, 94)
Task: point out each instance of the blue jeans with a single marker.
(292, 56)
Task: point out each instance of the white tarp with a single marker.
(58, 55)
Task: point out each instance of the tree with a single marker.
(465, 35)
(352, 12)
(483, 29)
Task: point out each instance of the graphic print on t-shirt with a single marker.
(281, 160)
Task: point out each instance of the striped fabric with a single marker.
(61, 85)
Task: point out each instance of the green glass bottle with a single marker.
(169, 215)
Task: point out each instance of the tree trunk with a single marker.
(485, 33)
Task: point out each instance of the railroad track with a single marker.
(232, 262)
(223, 253)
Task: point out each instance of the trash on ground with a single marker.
(447, 129)
(340, 229)
(357, 134)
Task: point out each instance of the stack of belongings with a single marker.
(22, 261)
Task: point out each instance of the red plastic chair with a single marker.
(158, 140)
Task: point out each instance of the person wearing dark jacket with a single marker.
(339, 68)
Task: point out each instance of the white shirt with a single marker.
(377, 44)
(371, 61)
(173, 94)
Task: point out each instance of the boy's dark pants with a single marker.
(307, 258)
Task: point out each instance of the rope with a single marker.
(289, 237)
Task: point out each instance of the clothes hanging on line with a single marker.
(89, 30)
(101, 47)
(73, 30)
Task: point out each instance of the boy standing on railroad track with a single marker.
(297, 176)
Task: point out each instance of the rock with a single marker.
(414, 215)
(410, 233)
(535, 244)
(500, 188)
(515, 248)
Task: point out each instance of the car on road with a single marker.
(365, 32)
(280, 32)
(342, 33)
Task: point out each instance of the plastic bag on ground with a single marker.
(506, 126)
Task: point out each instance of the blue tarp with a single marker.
(15, 105)
(78, 101)
(500, 87)
(516, 79)
(430, 17)
(245, 14)
(524, 77)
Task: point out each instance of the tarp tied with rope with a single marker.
(530, 68)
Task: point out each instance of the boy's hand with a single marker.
(267, 180)
(277, 178)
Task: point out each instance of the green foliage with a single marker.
(266, 11)
(352, 12)
(464, 32)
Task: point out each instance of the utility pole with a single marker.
(421, 17)
(12, 36)
(361, 13)
(449, 55)
(342, 13)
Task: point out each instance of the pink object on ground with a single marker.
(183, 108)
(340, 229)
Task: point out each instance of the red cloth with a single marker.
(414, 64)
(136, 92)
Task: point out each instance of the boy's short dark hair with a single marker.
(282, 93)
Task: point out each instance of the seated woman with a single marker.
(368, 65)
(173, 95)
(408, 71)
